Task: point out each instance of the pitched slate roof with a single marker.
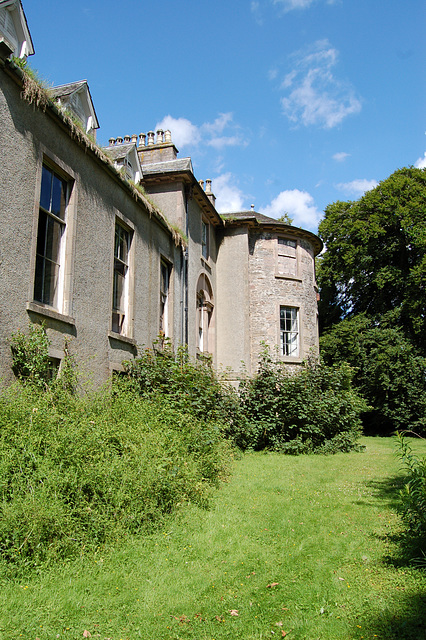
(251, 215)
(67, 89)
(182, 164)
(118, 151)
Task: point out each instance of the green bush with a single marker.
(80, 472)
(389, 372)
(30, 354)
(189, 385)
(312, 410)
(33, 366)
(413, 495)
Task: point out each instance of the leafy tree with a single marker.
(375, 260)
(389, 372)
(285, 218)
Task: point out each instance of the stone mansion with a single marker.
(109, 247)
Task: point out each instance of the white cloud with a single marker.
(224, 141)
(229, 197)
(315, 95)
(298, 204)
(288, 5)
(341, 156)
(421, 162)
(218, 125)
(357, 187)
(185, 133)
(255, 9)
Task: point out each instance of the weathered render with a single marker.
(111, 247)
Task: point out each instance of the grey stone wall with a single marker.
(27, 137)
(270, 289)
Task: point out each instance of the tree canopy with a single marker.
(375, 258)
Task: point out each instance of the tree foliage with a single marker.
(375, 260)
(389, 372)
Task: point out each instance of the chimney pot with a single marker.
(111, 142)
(151, 141)
(127, 139)
(208, 186)
(160, 136)
(142, 139)
(134, 138)
(252, 207)
(119, 140)
(167, 136)
(201, 183)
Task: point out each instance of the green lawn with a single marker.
(301, 547)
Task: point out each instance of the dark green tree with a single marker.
(389, 372)
(372, 279)
(375, 259)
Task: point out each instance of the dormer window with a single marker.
(75, 97)
(7, 26)
(14, 33)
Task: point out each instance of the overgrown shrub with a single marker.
(33, 366)
(313, 410)
(80, 472)
(188, 385)
(30, 355)
(413, 495)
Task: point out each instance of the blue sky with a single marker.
(285, 104)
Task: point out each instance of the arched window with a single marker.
(205, 323)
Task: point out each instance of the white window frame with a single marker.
(57, 220)
(289, 331)
(122, 265)
(165, 279)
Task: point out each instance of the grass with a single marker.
(304, 547)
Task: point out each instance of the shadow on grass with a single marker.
(409, 550)
(408, 624)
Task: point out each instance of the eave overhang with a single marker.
(186, 177)
(250, 221)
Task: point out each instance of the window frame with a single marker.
(121, 316)
(164, 313)
(60, 299)
(287, 247)
(289, 333)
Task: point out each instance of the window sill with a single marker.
(291, 359)
(118, 336)
(48, 312)
(205, 264)
(281, 276)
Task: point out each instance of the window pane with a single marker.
(59, 193)
(46, 188)
(53, 239)
(118, 301)
(121, 243)
(46, 281)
